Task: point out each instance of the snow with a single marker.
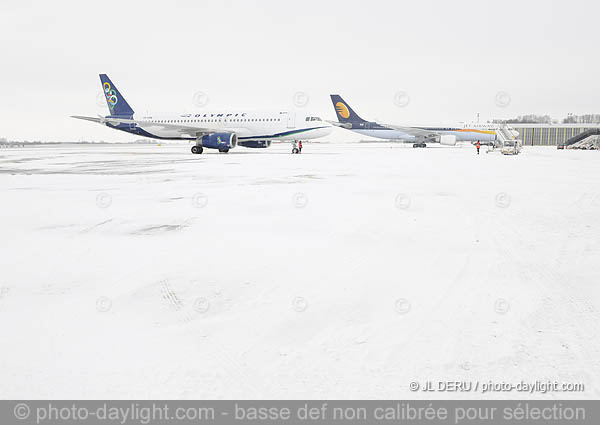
(345, 272)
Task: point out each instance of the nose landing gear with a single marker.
(198, 149)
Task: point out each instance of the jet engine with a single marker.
(255, 143)
(448, 140)
(221, 141)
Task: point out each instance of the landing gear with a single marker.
(296, 144)
(225, 150)
(419, 145)
(197, 150)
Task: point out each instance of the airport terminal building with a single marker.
(550, 134)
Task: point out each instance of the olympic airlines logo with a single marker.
(342, 110)
(111, 95)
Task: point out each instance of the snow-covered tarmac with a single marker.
(346, 272)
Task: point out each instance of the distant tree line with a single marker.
(5, 141)
(527, 119)
(582, 119)
(547, 119)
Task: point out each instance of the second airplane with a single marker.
(420, 136)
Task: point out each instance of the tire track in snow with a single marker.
(229, 364)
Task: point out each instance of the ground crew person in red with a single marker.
(300, 146)
(478, 147)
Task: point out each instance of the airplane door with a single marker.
(291, 120)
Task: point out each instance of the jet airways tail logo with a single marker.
(342, 110)
(111, 95)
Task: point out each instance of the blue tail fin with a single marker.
(117, 105)
(344, 112)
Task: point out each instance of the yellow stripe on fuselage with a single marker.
(477, 131)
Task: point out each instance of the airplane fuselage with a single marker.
(247, 125)
(464, 134)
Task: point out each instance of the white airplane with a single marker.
(420, 136)
(222, 130)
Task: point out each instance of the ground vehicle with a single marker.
(511, 147)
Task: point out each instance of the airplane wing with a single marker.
(182, 129)
(414, 131)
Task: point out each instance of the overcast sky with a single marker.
(451, 58)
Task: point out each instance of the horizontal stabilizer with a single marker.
(93, 119)
(340, 124)
(175, 127)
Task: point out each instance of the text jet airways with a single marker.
(222, 130)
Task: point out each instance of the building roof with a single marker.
(540, 125)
